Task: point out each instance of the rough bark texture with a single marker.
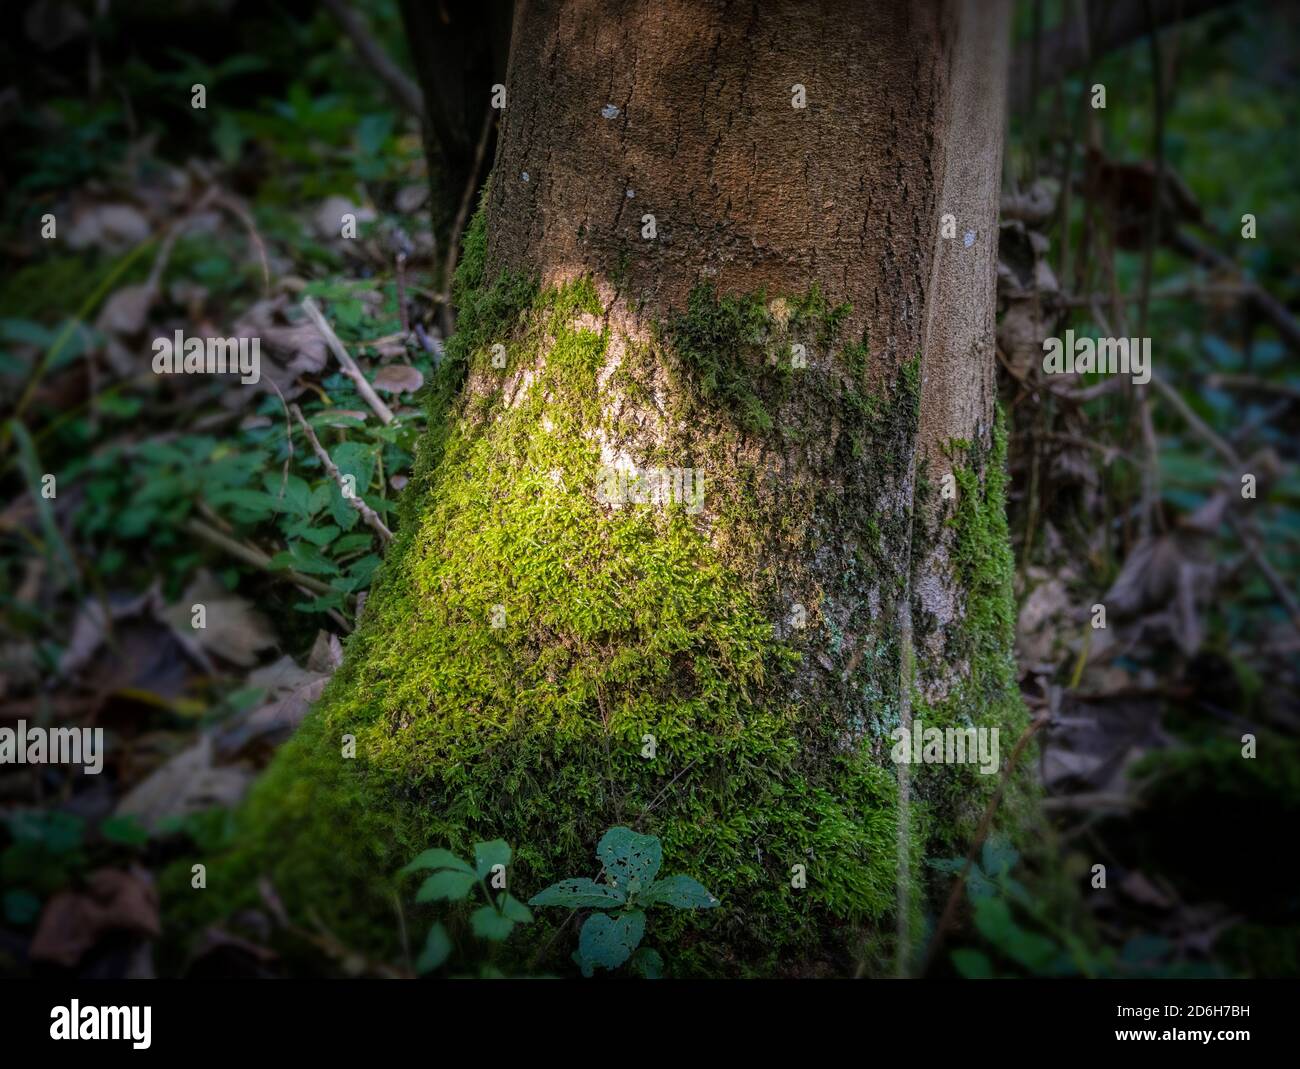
(526, 634)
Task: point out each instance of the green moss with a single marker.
(617, 624)
(522, 639)
(977, 647)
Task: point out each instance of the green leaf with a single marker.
(353, 542)
(486, 855)
(648, 962)
(999, 856)
(680, 891)
(437, 948)
(436, 858)
(978, 885)
(487, 923)
(228, 138)
(448, 884)
(342, 511)
(972, 964)
(1029, 949)
(609, 941)
(993, 919)
(580, 893)
(59, 833)
(320, 537)
(631, 860)
(255, 503)
(125, 830)
(27, 331)
(21, 907)
(516, 911)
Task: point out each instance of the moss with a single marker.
(617, 624)
(977, 647)
(522, 639)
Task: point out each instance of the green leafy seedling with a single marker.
(608, 939)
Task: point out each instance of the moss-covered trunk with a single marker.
(678, 554)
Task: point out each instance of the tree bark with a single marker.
(546, 653)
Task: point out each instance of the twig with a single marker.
(1066, 48)
(401, 88)
(986, 822)
(1198, 425)
(401, 295)
(458, 224)
(349, 365)
(367, 513)
(236, 209)
(1264, 302)
(1251, 382)
(1275, 581)
(655, 801)
(254, 556)
(154, 282)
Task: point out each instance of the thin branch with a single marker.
(367, 513)
(1065, 49)
(1270, 574)
(236, 209)
(458, 224)
(405, 93)
(1264, 302)
(1251, 382)
(1198, 425)
(254, 556)
(350, 368)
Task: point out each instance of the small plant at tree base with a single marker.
(631, 863)
(453, 880)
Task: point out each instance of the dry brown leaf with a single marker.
(235, 631)
(326, 653)
(398, 378)
(186, 784)
(112, 227)
(291, 692)
(328, 218)
(112, 901)
(90, 628)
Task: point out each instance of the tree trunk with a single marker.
(678, 552)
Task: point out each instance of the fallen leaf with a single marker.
(125, 312)
(326, 653)
(328, 218)
(410, 198)
(112, 227)
(234, 630)
(398, 378)
(112, 901)
(1143, 891)
(291, 692)
(186, 784)
(90, 627)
